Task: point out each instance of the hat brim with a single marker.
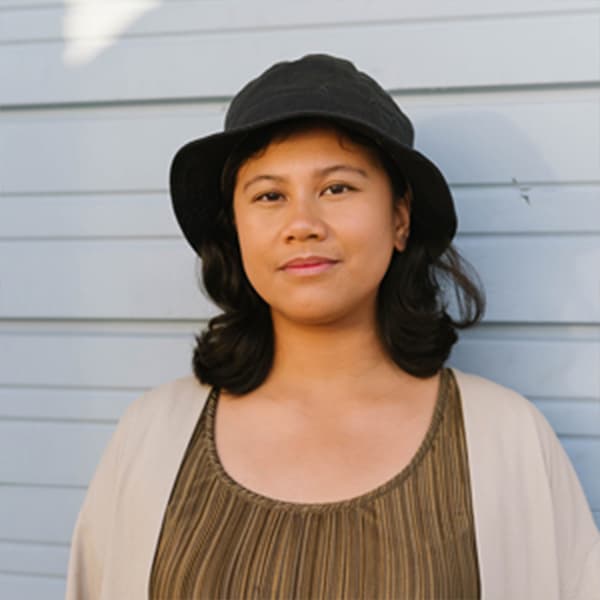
(196, 168)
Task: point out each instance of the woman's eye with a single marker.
(269, 196)
(338, 188)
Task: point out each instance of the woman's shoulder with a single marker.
(164, 396)
(497, 410)
(490, 397)
(164, 406)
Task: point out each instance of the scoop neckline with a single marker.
(355, 501)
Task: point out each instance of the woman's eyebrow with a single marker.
(316, 173)
(328, 170)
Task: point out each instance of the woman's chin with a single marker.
(316, 315)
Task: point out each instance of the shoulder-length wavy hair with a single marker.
(235, 351)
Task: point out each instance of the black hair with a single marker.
(235, 351)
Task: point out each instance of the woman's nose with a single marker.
(304, 220)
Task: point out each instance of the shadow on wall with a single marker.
(487, 147)
(508, 165)
(496, 164)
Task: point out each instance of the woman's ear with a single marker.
(402, 221)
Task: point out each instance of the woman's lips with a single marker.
(309, 266)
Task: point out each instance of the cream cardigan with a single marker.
(536, 537)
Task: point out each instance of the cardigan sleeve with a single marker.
(91, 534)
(577, 537)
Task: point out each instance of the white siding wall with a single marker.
(97, 292)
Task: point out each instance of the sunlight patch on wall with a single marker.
(91, 26)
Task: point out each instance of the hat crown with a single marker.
(319, 85)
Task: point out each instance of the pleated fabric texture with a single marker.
(411, 538)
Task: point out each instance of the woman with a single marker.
(323, 449)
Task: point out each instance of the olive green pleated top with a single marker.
(410, 538)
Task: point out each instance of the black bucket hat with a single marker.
(316, 85)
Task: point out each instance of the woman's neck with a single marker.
(338, 361)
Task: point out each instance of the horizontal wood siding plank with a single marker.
(544, 367)
(93, 215)
(114, 279)
(149, 17)
(98, 359)
(105, 151)
(64, 404)
(27, 587)
(12, 5)
(63, 454)
(22, 518)
(270, 9)
(584, 454)
(38, 559)
(538, 279)
(517, 142)
(572, 417)
(529, 209)
(157, 278)
(559, 49)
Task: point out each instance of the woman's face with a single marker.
(326, 203)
